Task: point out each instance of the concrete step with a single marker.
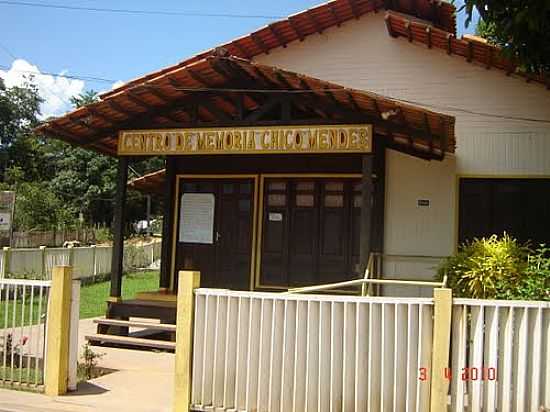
(131, 341)
(138, 324)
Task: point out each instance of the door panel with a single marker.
(226, 262)
(307, 233)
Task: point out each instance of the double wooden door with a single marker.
(226, 261)
(310, 231)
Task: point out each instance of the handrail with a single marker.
(366, 281)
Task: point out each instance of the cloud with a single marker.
(56, 91)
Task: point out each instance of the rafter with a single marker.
(314, 22)
(353, 8)
(259, 43)
(277, 35)
(334, 14)
(295, 29)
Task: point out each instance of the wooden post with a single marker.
(443, 304)
(167, 224)
(188, 281)
(118, 229)
(6, 262)
(365, 241)
(57, 332)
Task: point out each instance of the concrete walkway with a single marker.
(140, 382)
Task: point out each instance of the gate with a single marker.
(23, 308)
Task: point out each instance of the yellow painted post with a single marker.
(188, 281)
(443, 302)
(57, 332)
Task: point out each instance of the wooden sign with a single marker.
(355, 138)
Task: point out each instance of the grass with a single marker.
(22, 375)
(93, 296)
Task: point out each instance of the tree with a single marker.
(521, 28)
(19, 111)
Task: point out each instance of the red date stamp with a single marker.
(466, 374)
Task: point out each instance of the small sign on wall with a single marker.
(275, 217)
(423, 202)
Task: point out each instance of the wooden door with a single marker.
(310, 231)
(224, 263)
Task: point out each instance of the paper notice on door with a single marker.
(197, 218)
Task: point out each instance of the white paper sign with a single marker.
(275, 217)
(197, 218)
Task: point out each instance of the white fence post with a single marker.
(44, 271)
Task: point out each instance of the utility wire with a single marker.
(140, 12)
(305, 91)
(8, 51)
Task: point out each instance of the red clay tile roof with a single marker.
(472, 49)
(204, 92)
(315, 20)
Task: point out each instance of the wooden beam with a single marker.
(269, 105)
(295, 29)
(167, 223)
(119, 222)
(118, 108)
(313, 21)
(94, 112)
(214, 110)
(470, 52)
(259, 43)
(387, 19)
(379, 189)
(409, 31)
(352, 101)
(241, 49)
(429, 132)
(198, 78)
(332, 10)
(365, 225)
(277, 35)
(489, 57)
(353, 8)
(449, 43)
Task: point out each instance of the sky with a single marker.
(118, 47)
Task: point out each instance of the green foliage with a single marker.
(54, 181)
(498, 268)
(520, 27)
(87, 369)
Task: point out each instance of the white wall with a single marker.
(362, 55)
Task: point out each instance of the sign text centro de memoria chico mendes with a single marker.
(354, 138)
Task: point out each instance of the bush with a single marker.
(498, 268)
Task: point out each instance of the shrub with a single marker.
(488, 268)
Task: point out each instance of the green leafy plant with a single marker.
(87, 369)
(485, 268)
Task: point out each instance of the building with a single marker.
(352, 128)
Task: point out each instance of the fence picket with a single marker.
(279, 352)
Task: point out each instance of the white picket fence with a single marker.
(86, 261)
(500, 355)
(257, 351)
(277, 352)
